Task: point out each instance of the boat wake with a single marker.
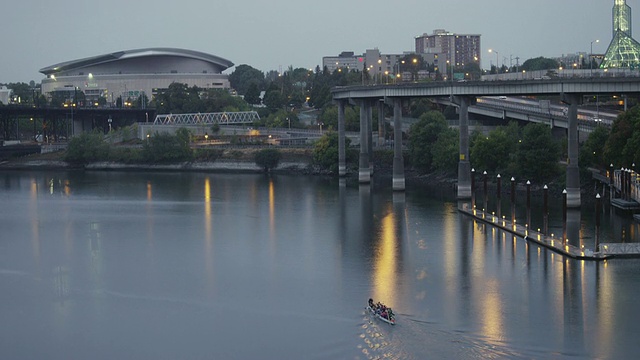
(415, 338)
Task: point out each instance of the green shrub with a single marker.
(126, 155)
(268, 159)
(209, 155)
(166, 148)
(326, 152)
(86, 148)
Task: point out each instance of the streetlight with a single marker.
(497, 61)
(398, 74)
(415, 73)
(591, 57)
(206, 138)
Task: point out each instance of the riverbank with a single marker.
(235, 160)
(241, 160)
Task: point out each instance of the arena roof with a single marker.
(133, 54)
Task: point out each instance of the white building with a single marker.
(129, 74)
(382, 68)
(5, 95)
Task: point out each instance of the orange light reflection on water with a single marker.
(272, 209)
(35, 226)
(208, 235)
(385, 262)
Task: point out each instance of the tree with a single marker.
(273, 99)
(220, 100)
(253, 95)
(244, 76)
(422, 137)
(538, 154)
(329, 117)
(282, 118)
(625, 134)
(446, 151)
(493, 153)
(141, 102)
(268, 159)
(326, 151)
(58, 98)
(540, 63)
(420, 106)
(25, 92)
(591, 151)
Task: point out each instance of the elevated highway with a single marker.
(571, 86)
(465, 95)
(538, 111)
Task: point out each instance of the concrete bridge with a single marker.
(464, 95)
(542, 111)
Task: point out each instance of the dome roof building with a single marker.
(129, 74)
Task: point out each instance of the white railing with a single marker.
(222, 118)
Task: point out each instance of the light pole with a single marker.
(591, 58)
(448, 67)
(497, 61)
(415, 69)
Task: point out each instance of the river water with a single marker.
(116, 265)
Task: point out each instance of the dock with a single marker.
(552, 243)
(625, 205)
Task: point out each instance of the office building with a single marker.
(457, 49)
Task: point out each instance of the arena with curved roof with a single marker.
(132, 73)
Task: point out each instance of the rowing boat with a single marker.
(391, 321)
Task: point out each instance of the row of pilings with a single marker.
(508, 222)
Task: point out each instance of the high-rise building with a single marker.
(457, 49)
(623, 51)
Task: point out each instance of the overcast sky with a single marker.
(273, 35)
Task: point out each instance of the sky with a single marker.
(273, 35)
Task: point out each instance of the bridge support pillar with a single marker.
(398, 160)
(77, 127)
(370, 136)
(342, 164)
(573, 149)
(381, 124)
(464, 166)
(364, 170)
